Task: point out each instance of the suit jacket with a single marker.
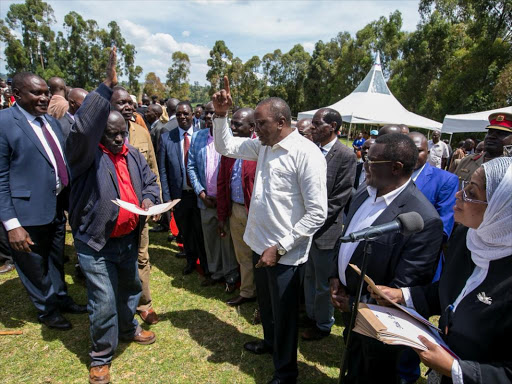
(341, 169)
(170, 164)
(439, 187)
(479, 333)
(66, 122)
(398, 260)
(196, 167)
(141, 139)
(27, 177)
(224, 185)
(94, 184)
(156, 134)
(359, 169)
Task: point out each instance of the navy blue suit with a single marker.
(28, 193)
(186, 212)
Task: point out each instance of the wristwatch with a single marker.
(280, 250)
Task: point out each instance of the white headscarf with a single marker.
(492, 240)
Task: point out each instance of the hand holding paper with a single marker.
(151, 211)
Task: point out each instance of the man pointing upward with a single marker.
(288, 205)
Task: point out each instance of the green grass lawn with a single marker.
(199, 338)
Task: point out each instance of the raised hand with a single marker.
(111, 79)
(222, 100)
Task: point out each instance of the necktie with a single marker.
(186, 146)
(62, 171)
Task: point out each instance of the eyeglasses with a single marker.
(465, 197)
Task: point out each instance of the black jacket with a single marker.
(478, 333)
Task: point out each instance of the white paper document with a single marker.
(154, 210)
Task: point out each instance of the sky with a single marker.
(158, 28)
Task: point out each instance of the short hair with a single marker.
(278, 108)
(400, 147)
(185, 102)
(331, 115)
(19, 79)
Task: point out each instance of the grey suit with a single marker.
(156, 132)
(66, 122)
(341, 169)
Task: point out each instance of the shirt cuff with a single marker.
(457, 377)
(287, 242)
(11, 224)
(406, 292)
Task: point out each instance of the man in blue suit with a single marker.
(439, 187)
(33, 195)
(203, 168)
(172, 165)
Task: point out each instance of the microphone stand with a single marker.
(367, 251)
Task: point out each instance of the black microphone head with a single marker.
(411, 222)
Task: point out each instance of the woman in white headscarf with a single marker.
(474, 294)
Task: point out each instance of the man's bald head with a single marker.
(278, 109)
(57, 86)
(242, 122)
(390, 128)
(171, 105)
(115, 118)
(153, 113)
(302, 124)
(75, 99)
(421, 143)
(405, 129)
(122, 102)
(469, 144)
(273, 120)
(115, 132)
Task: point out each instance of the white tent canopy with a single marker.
(469, 122)
(373, 103)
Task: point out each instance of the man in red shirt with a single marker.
(234, 190)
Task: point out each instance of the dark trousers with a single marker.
(278, 290)
(113, 292)
(5, 248)
(370, 361)
(188, 220)
(42, 270)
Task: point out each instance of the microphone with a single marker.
(406, 224)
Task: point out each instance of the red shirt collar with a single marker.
(124, 150)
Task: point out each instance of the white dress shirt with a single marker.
(327, 147)
(190, 131)
(364, 217)
(289, 198)
(14, 222)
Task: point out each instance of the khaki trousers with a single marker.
(144, 269)
(237, 224)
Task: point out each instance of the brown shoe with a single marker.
(239, 300)
(149, 317)
(144, 337)
(314, 333)
(99, 374)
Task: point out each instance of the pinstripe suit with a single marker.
(220, 253)
(341, 169)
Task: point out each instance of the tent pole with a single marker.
(451, 136)
(349, 129)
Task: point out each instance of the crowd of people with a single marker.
(263, 204)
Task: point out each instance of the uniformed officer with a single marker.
(499, 131)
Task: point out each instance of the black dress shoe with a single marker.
(258, 347)
(181, 255)
(280, 381)
(170, 238)
(239, 300)
(314, 333)
(56, 322)
(188, 269)
(158, 228)
(74, 308)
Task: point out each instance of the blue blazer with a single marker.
(27, 177)
(170, 165)
(439, 187)
(196, 167)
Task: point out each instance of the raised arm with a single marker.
(90, 122)
(225, 143)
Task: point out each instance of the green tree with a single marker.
(220, 59)
(153, 86)
(177, 75)
(199, 94)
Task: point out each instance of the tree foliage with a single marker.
(177, 76)
(153, 86)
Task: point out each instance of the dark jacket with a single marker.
(478, 333)
(341, 169)
(224, 185)
(398, 260)
(92, 214)
(27, 176)
(66, 122)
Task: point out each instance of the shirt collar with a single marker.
(154, 123)
(70, 115)
(27, 115)
(287, 142)
(417, 172)
(388, 197)
(123, 152)
(190, 131)
(327, 147)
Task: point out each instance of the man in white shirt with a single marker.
(288, 205)
(438, 152)
(396, 259)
